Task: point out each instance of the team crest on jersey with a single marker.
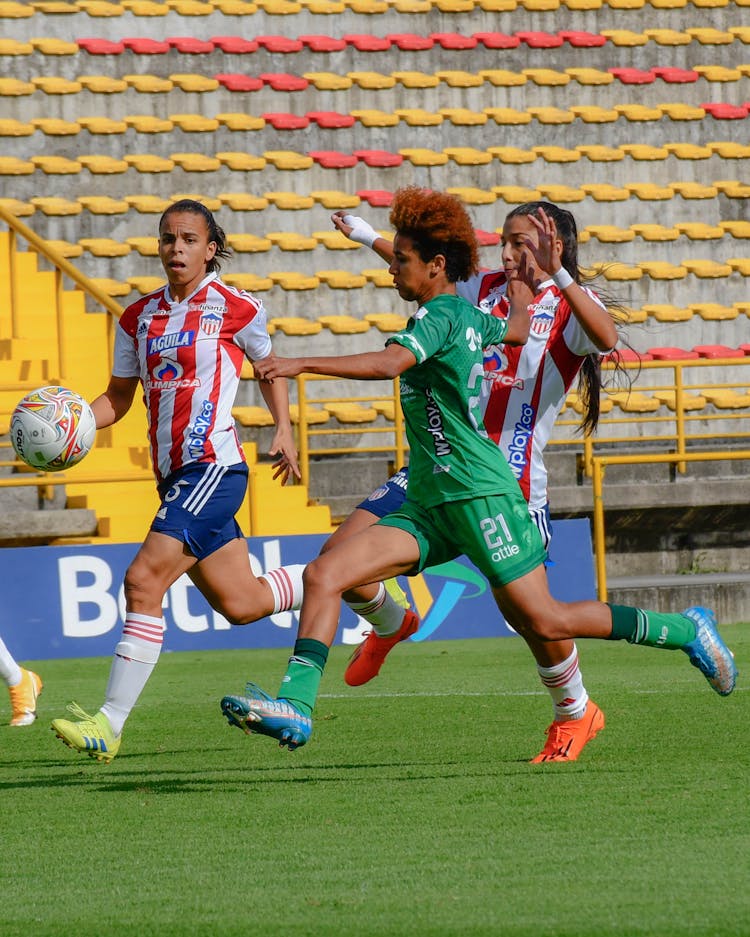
(211, 322)
(543, 317)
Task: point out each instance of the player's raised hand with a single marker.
(547, 249)
(355, 228)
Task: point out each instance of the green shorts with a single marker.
(494, 532)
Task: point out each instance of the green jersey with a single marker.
(451, 454)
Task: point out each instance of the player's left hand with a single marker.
(268, 368)
(547, 249)
(285, 456)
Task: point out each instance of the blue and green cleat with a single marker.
(260, 713)
(708, 652)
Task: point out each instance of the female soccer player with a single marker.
(462, 496)
(24, 687)
(522, 394)
(185, 344)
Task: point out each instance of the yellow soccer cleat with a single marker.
(92, 735)
(23, 697)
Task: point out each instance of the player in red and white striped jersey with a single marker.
(185, 345)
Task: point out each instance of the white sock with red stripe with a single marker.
(383, 612)
(565, 684)
(9, 669)
(286, 586)
(135, 658)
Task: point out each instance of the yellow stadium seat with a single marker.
(561, 193)
(194, 83)
(48, 45)
(105, 247)
(643, 151)
(9, 127)
(556, 154)
(416, 79)
(635, 316)
(196, 162)
(147, 204)
(374, 118)
(241, 161)
(598, 153)
(638, 112)
(714, 312)
(147, 162)
(468, 156)
(618, 271)
(111, 286)
(508, 115)
(387, 321)
(17, 207)
(665, 312)
(248, 243)
(145, 7)
(248, 282)
(291, 241)
(57, 165)
(145, 285)
(707, 269)
(709, 36)
(335, 199)
(689, 401)
(65, 248)
(590, 76)
(342, 324)
(12, 166)
(424, 157)
(146, 246)
(12, 10)
(379, 276)
(471, 195)
(195, 123)
(352, 412)
(145, 123)
(733, 188)
(252, 416)
(625, 37)
(728, 149)
(288, 159)
(662, 270)
(502, 78)
(240, 121)
(668, 37)
(516, 194)
(371, 81)
(738, 229)
(741, 32)
(290, 201)
(14, 87)
(726, 399)
(243, 201)
(546, 76)
(551, 115)
(649, 191)
(417, 117)
(328, 81)
(54, 127)
(102, 125)
(512, 155)
(103, 84)
(679, 111)
(296, 325)
(294, 281)
(694, 190)
(460, 79)
(464, 117)
(605, 192)
(342, 280)
(655, 232)
(699, 230)
(149, 84)
(631, 401)
(190, 7)
(51, 84)
(104, 204)
(610, 234)
(740, 265)
(688, 150)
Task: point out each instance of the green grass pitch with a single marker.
(413, 811)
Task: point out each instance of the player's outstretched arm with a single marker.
(370, 365)
(361, 231)
(115, 402)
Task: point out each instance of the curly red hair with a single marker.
(437, 223)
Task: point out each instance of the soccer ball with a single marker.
(52, 428)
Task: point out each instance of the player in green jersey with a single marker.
(462, 497)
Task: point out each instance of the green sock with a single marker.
(654, 629)
(303, 673)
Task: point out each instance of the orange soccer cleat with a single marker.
(566, 740)
(367, 660)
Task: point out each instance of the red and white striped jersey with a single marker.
(525, 387)
(188, 356)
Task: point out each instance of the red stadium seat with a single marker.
(323, 43)
(332, 159)
(487, 238)
(632, 76)
(628, 355)
(535, 39)
(669, 353)
(190, 45)
(100, 46)
(675, 75)
(498, 40)
(379, 198)
(380, 158)
(237, 82)
(281, 81)
(723, 111)
(582, 39)
(279, 44)
(286, 121)
(411, 42)
(235, 45)
(454, 41)
(745, 348)
(331, 120)
(146, 46)
(365, 43)
(718, 351)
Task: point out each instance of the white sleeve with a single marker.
(253, 338)
(125, 357)
(576, 338)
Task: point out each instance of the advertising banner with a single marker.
(68, 601)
